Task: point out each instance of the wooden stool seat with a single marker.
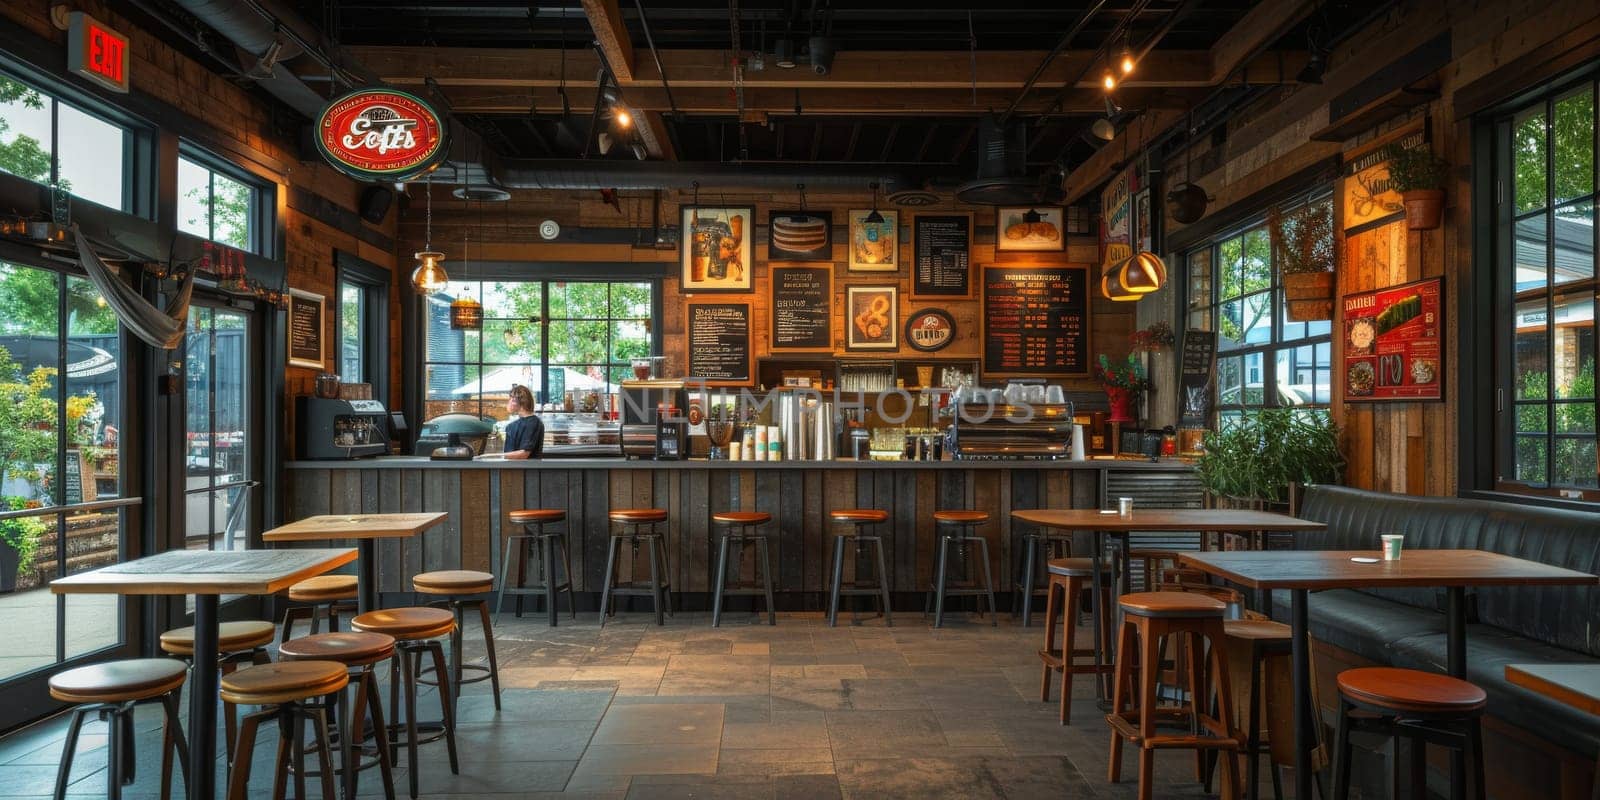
(324, 589)
(538, 515)
(1254, 630)
(1411, 690)
(1172, 605)
(637, 516)
(741, 517)
(417, 622)
(350, 649)
(453, 581)
(284, 682)
(118, 681)
(231, 637)
(961, 517)
(858, 515)
(1076, 567)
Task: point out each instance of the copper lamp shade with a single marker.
(429, 277)
(466, 314)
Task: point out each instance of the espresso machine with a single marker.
(335, 429)
(652, 414)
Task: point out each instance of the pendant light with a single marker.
(466, 313)
(429, 277)
(874, 218)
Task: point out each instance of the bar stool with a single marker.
(1148, 617)
(287, 687)
(1031, 579)
(1068, 578)
(958, 529)
(859, 518)
(359, 653)
(327, 594)
(739, 528)
(543, 543)
(1423, 706)
(112, 690)
(1260, 640)
(659, 587)
(238, 643)
(416, 632)
(458, 590)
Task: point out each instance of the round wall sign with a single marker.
(381, 134)
(930, 329)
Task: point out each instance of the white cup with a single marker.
(1125, 506)
(1391, 545)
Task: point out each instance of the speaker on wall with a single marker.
(375, 202)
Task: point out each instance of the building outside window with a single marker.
(352, 355)
(221, 204)
(53, 142)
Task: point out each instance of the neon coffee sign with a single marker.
(381, 134)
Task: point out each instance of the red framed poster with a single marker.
(1393, 343)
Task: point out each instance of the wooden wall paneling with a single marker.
(927, 503)
(665, 490)
(986, 497)
(954, 491)
(411, 548)
(513, 495)
(595, 533)
(787, 542)
(390, 558)
(475, 513)
(1001, 544)
(701, 490)
(620, 495)
(344, 491)
(909, 530)
(813, 527)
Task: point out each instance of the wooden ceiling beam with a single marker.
(612, 36)
(780, 102)
(1258, 29)
(1108, 159)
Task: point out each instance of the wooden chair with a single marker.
(238, 644)
(416, 632)
(321, 596)
(542, 542)
(459, 590)
(958, 529)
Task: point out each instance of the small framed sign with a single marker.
(306, 311)
(930, 330)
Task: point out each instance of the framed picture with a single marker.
(930, 330)
(874, 246)
(874, 318)
(716, 252)
(1030, 229)
(306, 313)
(1394, 340)
(941, 255)
(800, 236)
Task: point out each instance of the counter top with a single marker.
(422, 462)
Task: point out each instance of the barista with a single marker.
(525, 434)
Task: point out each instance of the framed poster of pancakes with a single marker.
(1030, 229)
(716, 252)
(874, 322)
(874, 245)
(800, 236)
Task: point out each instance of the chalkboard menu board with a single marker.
(1197, 364)
(941, 243)
(305, 329)
(719, 342)
(74, 481)
(1035, 321)
(802, 308)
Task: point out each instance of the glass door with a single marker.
(219, 472)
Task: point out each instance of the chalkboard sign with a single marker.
(305, 329)
(719, 342)
(941, 244)
(1198, 364)
(74, 482)
(1035, 321)
(802, 308)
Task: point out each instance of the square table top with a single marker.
(207, 572)
(1166, 519)
(1333, 569)
(1576, 685)
(355, 526)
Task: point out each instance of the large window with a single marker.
(1263, 358)
(52, 142)
(550, 336)
(220, 204)
(1545, 224)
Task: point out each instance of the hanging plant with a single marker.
(1155, 338)
(1302, 247)
(1419, 176)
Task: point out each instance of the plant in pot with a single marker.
(19, 542)
(1254, 459)
(1302, 246)
(1419, 176)
(1123, 383)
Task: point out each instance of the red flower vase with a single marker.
(1121, 403)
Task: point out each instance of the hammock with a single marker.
(158, 328)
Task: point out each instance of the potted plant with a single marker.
(1254, 459)
(1302, 246)
(19, 541)
(1122, 382)
(1419, 176)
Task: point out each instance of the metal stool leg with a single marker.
(883, 581)
(611, 571)
(938, 582)
(547, 565)
(766, 578)
(655, 582)
(838, 578)
(1029, 563)
(505, 572)
(722, 577)
(988, 579)
(666, 567)
(566, 575)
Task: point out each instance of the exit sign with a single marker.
(96, 52)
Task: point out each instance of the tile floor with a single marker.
(799, 710)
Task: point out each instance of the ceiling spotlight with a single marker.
(821, 50)
(1315, 66)
(1127, 60)
(1112, 109)
(1103, 129)
(783, 54)
(1109, 81)
(622, 116)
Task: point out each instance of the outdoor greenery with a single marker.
(1573, 157)
(1258, 454)
(219, 209)
(22, 156)
(22, 533)
(1245, 265)
(1302, 238)
(1575, 457)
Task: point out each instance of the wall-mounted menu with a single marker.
(1035, 321)
(1198, 362)
(1392, 343)
(802, 308)
(719, 342)
(941, 243)
(305, 329)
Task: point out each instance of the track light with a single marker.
(783, 53)
(1103, 129)
(604, 140)
(622, 116)
(1109, 80)
(1112, 109)
(1127, 60)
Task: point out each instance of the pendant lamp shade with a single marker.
(466, 314)
(1133, 278)
(1111, 283)
(429, 277)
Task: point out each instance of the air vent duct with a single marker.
(1002, 178)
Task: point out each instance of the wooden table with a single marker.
(207, 575)
(1576, 685)
(366, 529)
(1306, 571)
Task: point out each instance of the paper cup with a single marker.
(1391, 545)
(1125, 506)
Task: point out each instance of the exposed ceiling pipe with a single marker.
(1062, 44)
(250, 28)
(645, 175)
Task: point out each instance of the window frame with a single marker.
(260, 219)
(373, 282)
(138, 138)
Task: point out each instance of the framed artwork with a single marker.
(1394, 342)
(930, 330)
(306, 313)
(716, 252)
(1030, 229)
(874, 318)
(941, 255)
(800, 236)
(874, 246)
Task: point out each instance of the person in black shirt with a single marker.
(525, 434)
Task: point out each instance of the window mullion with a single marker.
(1550, 291)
